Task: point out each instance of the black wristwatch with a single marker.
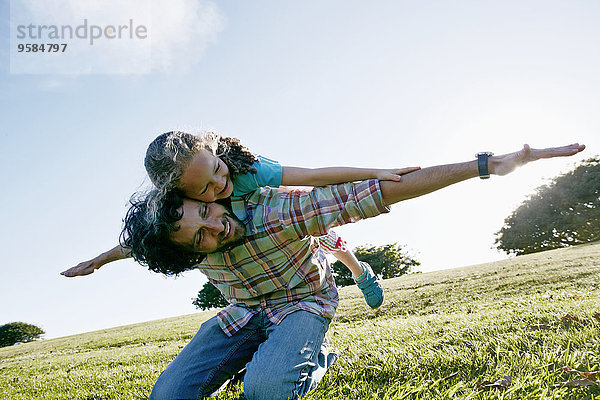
(482, 164)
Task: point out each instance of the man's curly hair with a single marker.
(147, 226)
(170, 153)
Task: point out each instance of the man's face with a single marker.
(207, 227)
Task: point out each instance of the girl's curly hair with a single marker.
(238, 158)
(147, 226)
(170, 153)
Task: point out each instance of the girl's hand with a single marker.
(394, 174)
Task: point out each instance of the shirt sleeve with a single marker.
(268, 173)
(315, 212)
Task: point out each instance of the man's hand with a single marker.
(88, 267)
(83, 268)
(502, 165)
(427, 180)
(394, 174)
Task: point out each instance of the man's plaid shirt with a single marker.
(277, 268)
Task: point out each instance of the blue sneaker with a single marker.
(367, 283)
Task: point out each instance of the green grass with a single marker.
(437, 336)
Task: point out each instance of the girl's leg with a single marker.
(348, 258)
(362, 273)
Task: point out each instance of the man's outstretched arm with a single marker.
(430, 179)
(88, 267)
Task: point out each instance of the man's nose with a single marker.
(214, 224)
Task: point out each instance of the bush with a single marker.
(563, 213)
(15, 332)
(209, 297)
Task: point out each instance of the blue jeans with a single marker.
(282, 361)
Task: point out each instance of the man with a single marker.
(259, 254)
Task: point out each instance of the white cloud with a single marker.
(176, 34)
(180, 31)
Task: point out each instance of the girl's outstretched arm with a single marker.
(87, 267)
(296, 176)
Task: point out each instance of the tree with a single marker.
(15, 332)
(388, 261)
(563, 213)
(209, 297)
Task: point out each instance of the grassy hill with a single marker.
(438, 335)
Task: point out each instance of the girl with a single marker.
(210, 167)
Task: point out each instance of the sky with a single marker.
(354, 83)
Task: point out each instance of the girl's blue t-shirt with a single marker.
(268, 173)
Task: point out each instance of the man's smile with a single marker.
(227, 231)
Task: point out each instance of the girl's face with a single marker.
(206, 178)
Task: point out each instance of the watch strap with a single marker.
(482, 164)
